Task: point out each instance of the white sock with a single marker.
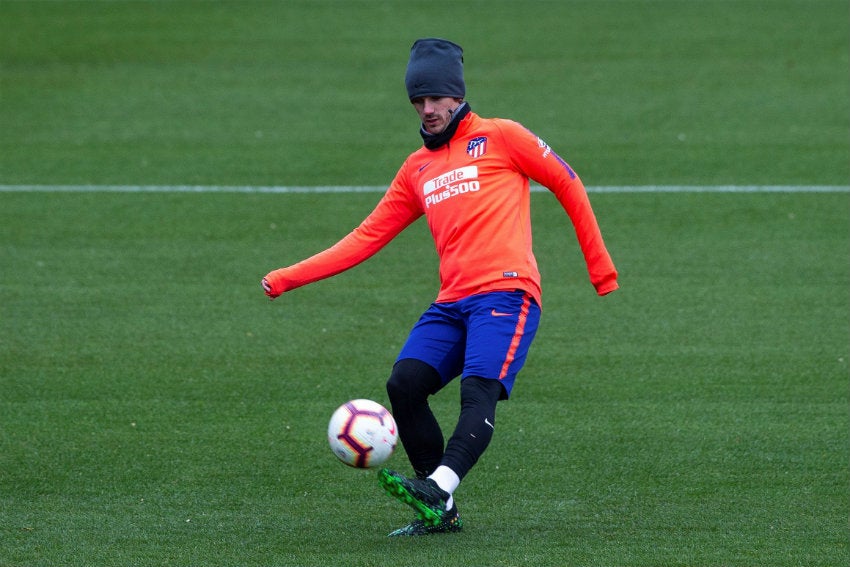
(447, 480)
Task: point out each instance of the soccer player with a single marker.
(471, 182)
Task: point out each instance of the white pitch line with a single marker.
(382, 188)
(720, 189)
(188, 189)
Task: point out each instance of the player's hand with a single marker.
(607, 284)
(268, 289)
(276, 283)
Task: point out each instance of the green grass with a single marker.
(156, 409)
(311, 92)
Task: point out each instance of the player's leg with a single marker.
(408, 388)
(474, 430)
(432, 497)
(501, 328)
(430, 358)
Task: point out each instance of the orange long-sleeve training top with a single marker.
(474, 193)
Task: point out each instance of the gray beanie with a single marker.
(435, 69)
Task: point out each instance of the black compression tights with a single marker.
(409, 386)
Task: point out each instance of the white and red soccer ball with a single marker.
(362, 433)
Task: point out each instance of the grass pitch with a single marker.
(155, 409)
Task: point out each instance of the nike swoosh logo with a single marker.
(487, 421)
(495, 313)
(424, 166)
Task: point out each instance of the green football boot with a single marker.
(450, 523)
(423, 495)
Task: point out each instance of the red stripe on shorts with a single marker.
(518, 332)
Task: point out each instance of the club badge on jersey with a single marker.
(477, 147)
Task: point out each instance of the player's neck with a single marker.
(434, 141)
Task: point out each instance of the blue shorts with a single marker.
(486, 335)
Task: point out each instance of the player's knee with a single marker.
(480, 395)
(412, 379)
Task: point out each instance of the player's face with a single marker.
(435, 112)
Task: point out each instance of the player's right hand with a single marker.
(275, 283)
(266, 287)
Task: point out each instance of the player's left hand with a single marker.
(607, 284)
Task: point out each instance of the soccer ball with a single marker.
(362, 433)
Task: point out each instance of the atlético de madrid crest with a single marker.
(477, 147)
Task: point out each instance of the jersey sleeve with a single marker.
(396, 210)
(540, 163)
